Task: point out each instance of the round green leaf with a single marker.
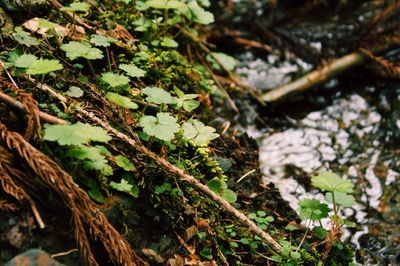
(332, 182)
(313, 209)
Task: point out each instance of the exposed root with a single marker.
(392, 69)
(7, 206)
(382, 16)
(33, 128)
(75, 199)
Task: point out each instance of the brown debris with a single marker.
(33, 128)
(391, 69)
(7, 206)
(84, 211)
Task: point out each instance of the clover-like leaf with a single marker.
(186, 100)
(25, 61)
(25, 38)
(332, 182)
(313, 209)
(74, 91)
(124, 163)
(114, 80)
(132, 70)
(77, 7)
(158, 95)
(75, 134)
(120, 100)
(100, 40)
(196, 13)
(200, 134)
(341, 198)
(75, 50)
(163, 127)
(44, 66)
(165, 4)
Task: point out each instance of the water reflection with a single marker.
(351, 136)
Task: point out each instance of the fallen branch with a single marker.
(18, 105)
(235, 79)
(171, 168)
(76, 19)
(316, 77)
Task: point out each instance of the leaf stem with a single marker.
(91, 67)
(305, 234)
(108, 59)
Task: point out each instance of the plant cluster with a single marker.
(153, 89)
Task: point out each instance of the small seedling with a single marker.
(312, 210)
(100, 40)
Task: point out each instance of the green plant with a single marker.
(120, 100)
(75, 92)
(77, 7)
(163, 127)
(25, 38)
(114, 80)
(198, 133)
(75, 50)
(337, 193)
(132, 70)
(158, 96)
(100, 40)
(220, 187)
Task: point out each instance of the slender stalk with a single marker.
(108, 59)
(91, 67)
(304, 237)
(334, 204)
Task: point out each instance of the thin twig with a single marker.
(316, 77)
(183, 176)
(246, 174)
(18, 105)
(64, 253)
(251, 89)
(37, 214)
(78, 20)
(219, 85)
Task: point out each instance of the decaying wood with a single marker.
(316, 77)
(183, 176)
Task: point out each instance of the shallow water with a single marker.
(353, 136)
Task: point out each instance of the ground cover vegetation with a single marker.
(117, 101)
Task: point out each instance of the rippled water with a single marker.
(349, 137)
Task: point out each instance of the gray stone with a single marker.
(33, 257)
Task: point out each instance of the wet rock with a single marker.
(33, 257)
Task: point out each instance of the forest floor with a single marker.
(123, 129)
